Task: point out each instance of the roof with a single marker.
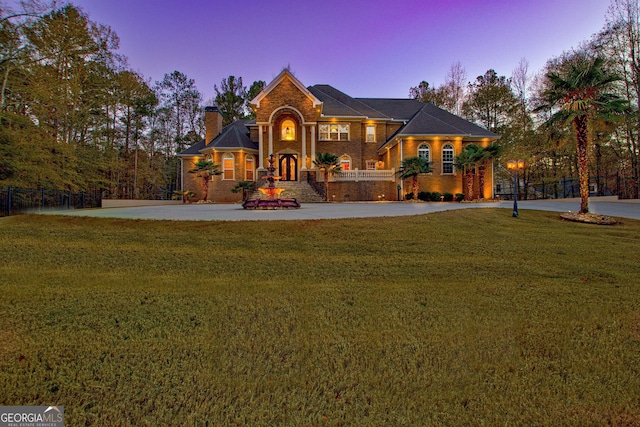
(394, 108)
(194, 150)
(336, 103)
(434, 121)
(431, 120)
(233, 136)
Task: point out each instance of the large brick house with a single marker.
(371, 135)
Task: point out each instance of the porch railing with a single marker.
(364, 175)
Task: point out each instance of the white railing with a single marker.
(364, 175)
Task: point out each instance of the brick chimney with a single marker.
(212, 123)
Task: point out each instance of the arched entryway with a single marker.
(288, 167)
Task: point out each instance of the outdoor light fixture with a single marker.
(514, 166)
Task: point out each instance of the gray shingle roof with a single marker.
(194, 150)
(336, 103)
(234, 136)
(398, 109)
(431, 120)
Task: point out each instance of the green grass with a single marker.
(466, 317)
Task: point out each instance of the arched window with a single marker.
(345, 162)
(288, 129)
(228, 166)
(249, 168)
(447, 158)
(424, 151)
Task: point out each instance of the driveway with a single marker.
(234, 212)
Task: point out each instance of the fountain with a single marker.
(273, 200)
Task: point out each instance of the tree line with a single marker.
(518, 108)
(74, 116)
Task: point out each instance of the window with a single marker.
(334, 132)
(249, 168)
(424, 151)
(228, 167)
(345, 163)
(288, 129)
(371, 133)
(371, 165)
(447, 158)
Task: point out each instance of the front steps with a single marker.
(301, 191)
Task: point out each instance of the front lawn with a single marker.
(467, 317)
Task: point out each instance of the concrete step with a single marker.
(300, 191)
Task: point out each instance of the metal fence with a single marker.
(15, 201)
(567, 187)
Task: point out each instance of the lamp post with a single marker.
(514, 165)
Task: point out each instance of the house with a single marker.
(370, 135)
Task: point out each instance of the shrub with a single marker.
(408, 196)
(459, 197)
(448, 197)
(425, 196)
(435, 196)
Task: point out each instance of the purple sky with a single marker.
(370, 48)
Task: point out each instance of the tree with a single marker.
(412, 167)
(581, 89)
(486, 154)
(205, 169)
(329, 164)
(490, 101)
(466, 162)
(254, 90)
(243, 186)
(230, 99)
(449, 96)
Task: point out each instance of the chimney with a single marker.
(212, 124)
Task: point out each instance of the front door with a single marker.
(288, 167)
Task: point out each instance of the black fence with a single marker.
(567, 187)
(15, 201)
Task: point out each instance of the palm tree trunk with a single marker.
(469, 184)
(582, 140)
(481, 179)
(326, 185)
(415, 188)
(205, 187)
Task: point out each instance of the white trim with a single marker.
(233, 169)
(304, 148)
(453, 159)
(260, 148)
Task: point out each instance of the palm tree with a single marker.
(205, 169)
(581, 87)
(411, 167)
(486, 153)
(245, 187)
(466, 162)
(329, 164)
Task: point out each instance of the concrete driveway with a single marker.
(234, 212)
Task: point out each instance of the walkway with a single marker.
(309, 211)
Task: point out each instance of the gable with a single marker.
(285, 90)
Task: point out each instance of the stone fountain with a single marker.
(273, 200)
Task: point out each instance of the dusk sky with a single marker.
(370, 48)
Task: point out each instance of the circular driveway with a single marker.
(234, 212)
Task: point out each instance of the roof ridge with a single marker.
(337, 100)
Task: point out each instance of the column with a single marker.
(270, 140)
(260, 149)
(313, 145)
(304, 148)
